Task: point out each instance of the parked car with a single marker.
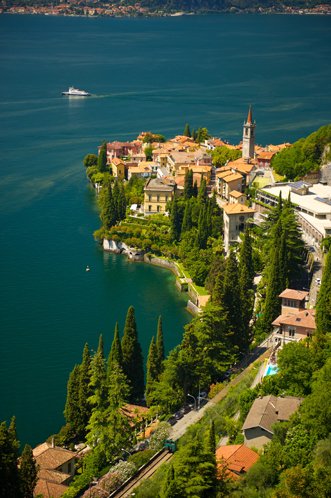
(318, 281)
(178, 415)
(172, 420)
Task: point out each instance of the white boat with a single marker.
(75, 92)
(87, 268)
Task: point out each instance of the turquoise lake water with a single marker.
(144, 74)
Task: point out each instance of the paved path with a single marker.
(192, 417)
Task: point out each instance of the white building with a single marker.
(311, 202)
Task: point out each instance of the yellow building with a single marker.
(157, 193)
(118, 168)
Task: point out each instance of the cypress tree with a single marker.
(121, 202)
(187, 218)
(203, 231)
(72, 406)
(188, 184)
(194, 134)
(246, 259)
(160, 343)
(275, 283)
(169, 488)
(152, 371)
(116, 200)
(246, 282)
(175, 221)
(323, 306)
(98, 382)
(84, 391)
(9, 445)
(195, 189)
(28, 473)
(107, 207)
(202, 194)
(102, 158)
(132, 356)
(115, 354)
(232, 302)
(187, 131)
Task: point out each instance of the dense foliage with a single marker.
(305, 155)
(18, 478)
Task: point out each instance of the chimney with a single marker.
(53, 445)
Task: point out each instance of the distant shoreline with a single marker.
(31, 11)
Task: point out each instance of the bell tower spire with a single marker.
(248, 136)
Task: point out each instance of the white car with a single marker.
(318, 281)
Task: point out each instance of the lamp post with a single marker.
(195, 401)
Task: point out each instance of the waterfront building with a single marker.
(56, 468)
(157, 193)
(144, 169)
(118, 168)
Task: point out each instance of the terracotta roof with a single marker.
(49, 489)
(235, 193)
(237, 458)
(304, 318)
(116, 161)
(224, 173)
(53, 475)
(140, 169)
(268, 410)
(237, 209)
(52, 458)
(203, 168)
(294, 294)
(266, 154)
(233, 177)
(223, 168)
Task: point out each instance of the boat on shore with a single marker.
(75, 92)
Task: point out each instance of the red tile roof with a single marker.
(236, 458)
(294, 294)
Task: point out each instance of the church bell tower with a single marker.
(248, 137)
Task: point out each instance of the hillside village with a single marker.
(266, 366)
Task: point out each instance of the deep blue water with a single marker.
(144, 74)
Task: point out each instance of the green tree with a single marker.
(109, 429)
(187, 131)
(28, 473)
(90, 160)
(202, 135)
(148, 150)
(108, 213)
(72, 406)
(8, 460)
(188, 184)
(84, 392)
(323, 306)
(132, 356)
(232, 303)
(98, 382)
(221, 155)
(187, 219)
(115, 354)
(175, 221)
(202, 193)
(102, 158)
(160, 344)
(152, 371)
(275, 282)
(169, 487)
